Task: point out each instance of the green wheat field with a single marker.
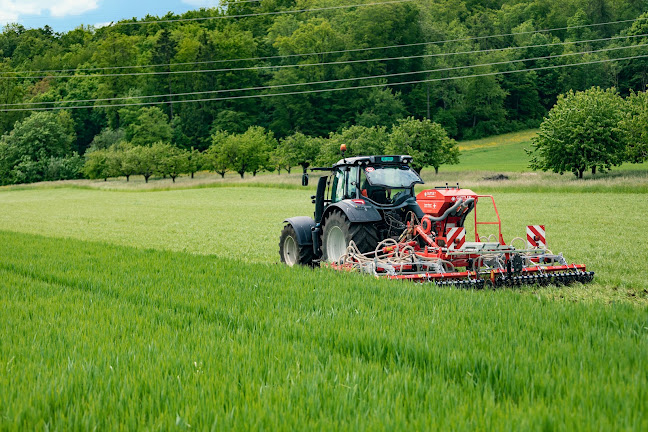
(125, 306)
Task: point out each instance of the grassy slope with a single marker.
(103, 336)
(506, 153)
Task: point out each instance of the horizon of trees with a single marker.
(465, 108)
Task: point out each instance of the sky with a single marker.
(64, 15)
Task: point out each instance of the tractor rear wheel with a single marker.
(338, 232)
(291, 252)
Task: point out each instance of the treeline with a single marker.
(258, 150)
(82, 67)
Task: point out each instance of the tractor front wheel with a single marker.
(291, 252)
(338, 232)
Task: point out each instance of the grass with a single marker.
(161, 306)
(244, 223)
(98, 336)
(506, 153)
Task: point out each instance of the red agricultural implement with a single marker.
(434, 249)
(368, 219)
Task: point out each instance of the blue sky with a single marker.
(64, 15)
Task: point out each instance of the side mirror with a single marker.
(305, 179)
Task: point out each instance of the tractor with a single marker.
(364, 199)
(369, 219)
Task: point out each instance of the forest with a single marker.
(477, 68)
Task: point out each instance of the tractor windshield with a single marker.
(392, 176)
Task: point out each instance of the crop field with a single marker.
(141, 308)
(104, 336)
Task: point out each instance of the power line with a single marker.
(325, 52)
(341, 62)
(446, 69)
(259, 13)
(335, 89)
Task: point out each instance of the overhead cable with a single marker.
(268, 87)
(264, 95)
(341, 62)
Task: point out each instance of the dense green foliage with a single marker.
(39, 148)
(635, 125)
(583, 131)
(425, 141)
(466, 108)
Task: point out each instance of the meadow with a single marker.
(160, 306)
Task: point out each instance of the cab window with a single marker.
(338, 186)
(341, 178)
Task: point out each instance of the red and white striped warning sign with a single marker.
(455, 238)
(536, 236)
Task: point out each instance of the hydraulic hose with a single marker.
(463, 207)
(447, 212)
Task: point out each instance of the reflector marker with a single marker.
(536, 237)
(456, 238)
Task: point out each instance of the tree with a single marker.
(64, 168)
(107, 138)
(582, 131)
(216, 157)
(383, 108)
(360, 141)
(296, 149)
(241, 153)
(146, 126)
(635, 126)
(427, 142)
(195, 161)
(123, 159)
(146, 161)
(172, 160)
(96, 164)
(31, 145)
(163, 51)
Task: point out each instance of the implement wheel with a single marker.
(291, 252)
(338, 232)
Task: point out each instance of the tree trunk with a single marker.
(146, 177)
(436, 170)
(242, 174)
(580, 173)
(128, 177)
(254, 173)
(173, 178)
(222, 174)
(288, 170)
(192, 174)
(594, 170)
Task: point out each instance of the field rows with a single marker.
(97, 335)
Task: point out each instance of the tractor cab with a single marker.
(384, 181)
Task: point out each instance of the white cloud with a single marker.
(102, 24)
(13, 10)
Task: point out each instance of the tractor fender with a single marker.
(354, 212)
(303, 226)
